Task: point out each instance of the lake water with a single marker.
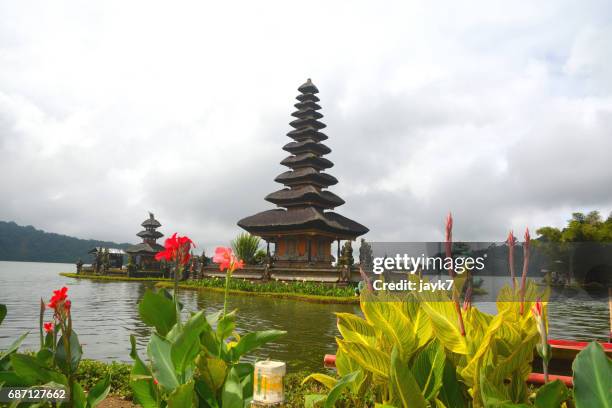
(105, 314)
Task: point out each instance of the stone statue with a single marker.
(365, 255)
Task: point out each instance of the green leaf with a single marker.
(212, 370)
(141, 379)
(187, 344)
(226, 326)
(404, 387)
(28, 369)
(551, 395)
(368, 357)
(3, 311)
(98, 392)
(251, 341)
(355, 329)
(326, 380)
(206, 395)
(78, 396)
(592, 378)
(159, 351)
(61, 354)
(157, 310)
(231, 395)
(428, 369)
(13, 347)
(452, 392)
(183, 396)
(336, 391)
(444, 319)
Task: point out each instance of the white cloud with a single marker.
(500, 112)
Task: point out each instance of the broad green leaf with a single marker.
(551, 395)
(206, 395)
(158, 311)
(159, 351)
(404, 387)
(252, 341)
(231, 395)
(187, 344)
(389, 317)
(226, 326)
(452, 394)
(355, 329)
(369, 358)
(345, 365)
(28, 369)
(213, 371)
(592, 378)
(428, 368)
(481, 346)
(182, 396)
(78, 397)
(421, 323)
(13, 347)
(141, 379)
(61, 354)
(340, 386)
(444, 319)
(324, 379)
(3, 311)
(98, 392)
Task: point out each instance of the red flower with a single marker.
(176, 249)
(536, 309)
(58, 297)
(227, 260)
(48, 327)
(67, 305)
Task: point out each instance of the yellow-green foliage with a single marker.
(410, 352)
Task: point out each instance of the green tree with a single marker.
(245, 246)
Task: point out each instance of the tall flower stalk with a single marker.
(177, 249)
(449, 254)
(511, 242)
(526, 246)
(228, 262)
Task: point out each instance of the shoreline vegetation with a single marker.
(302, 291)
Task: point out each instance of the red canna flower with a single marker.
(58, 297)
(176, 249)
(48, 327)
(155, 381)
(227, 260)
(67, 305)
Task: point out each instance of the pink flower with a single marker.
(226, 259)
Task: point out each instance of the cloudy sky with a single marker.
(498, 111)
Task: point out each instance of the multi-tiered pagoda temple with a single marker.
(303, 229)
(146, 250)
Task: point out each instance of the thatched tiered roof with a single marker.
(304, 197)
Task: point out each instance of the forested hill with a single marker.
(18, 243)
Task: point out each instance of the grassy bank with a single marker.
(112, 278)
(304, 291)
(92, 371)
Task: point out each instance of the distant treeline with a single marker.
(19, 243)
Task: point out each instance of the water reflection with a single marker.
(106, 314)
